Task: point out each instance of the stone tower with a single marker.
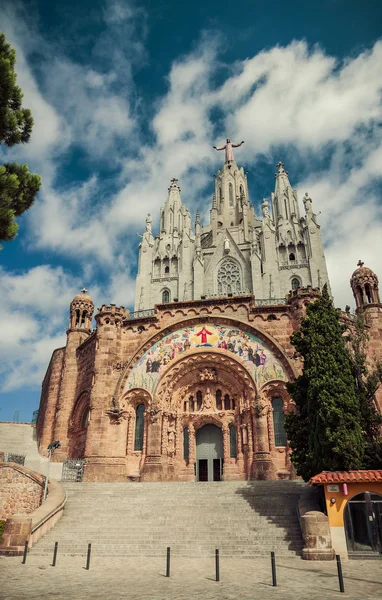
(236, 253)
(364, 284)
(64, 367)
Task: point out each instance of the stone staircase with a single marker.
(19, 438)
(242, 519)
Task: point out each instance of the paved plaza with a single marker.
(144, 578)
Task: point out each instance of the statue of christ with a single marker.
(228, 149)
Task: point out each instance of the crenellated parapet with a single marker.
(110, 314)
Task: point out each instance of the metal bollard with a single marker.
(25, 553)
(168, 562)
(217, 566)
(339, 571)
(55, 554)
(273, 563)
(88, 557)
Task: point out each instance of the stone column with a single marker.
(191, 448)
(130, 432)
(262, 465)
(153, 465)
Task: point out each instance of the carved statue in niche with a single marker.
(244, 432)
(171, 432)
(207, 400)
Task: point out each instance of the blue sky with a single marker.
(126, 95)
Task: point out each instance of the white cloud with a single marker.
(315, 112)
(34, 316)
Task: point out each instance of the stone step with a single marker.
(139, 519)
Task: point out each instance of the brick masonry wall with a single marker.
(94, 365)
(20, 491)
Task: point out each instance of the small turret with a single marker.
(81, 311)
(364, 284)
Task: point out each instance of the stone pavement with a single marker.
(191, 579)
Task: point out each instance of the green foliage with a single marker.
(2, 527)
(15, 122)
(325, 434)
(18, 187)
(366, 382)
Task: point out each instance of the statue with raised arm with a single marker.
(228, 149)
(149, 220)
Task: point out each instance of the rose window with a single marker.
(229, 277)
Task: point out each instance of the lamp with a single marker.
(52, 446)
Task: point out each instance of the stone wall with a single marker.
(21, 491)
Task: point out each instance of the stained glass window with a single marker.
(229, 280)
(139, 427)
(278, 422)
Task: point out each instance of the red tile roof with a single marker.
(346, 477)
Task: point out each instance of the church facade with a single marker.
(192, 384)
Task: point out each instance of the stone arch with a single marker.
(81, 405)
(263, 335)
(78, 425)
(271, 390)
(207, 420)
(134, 397)
(202, 366)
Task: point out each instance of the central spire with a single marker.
(228, 149)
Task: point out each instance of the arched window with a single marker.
(139, 427)
(157, 267)
(368, 293)
(191, 403)
(174, 265)
(77, 318)
(199, 399)
(232, 441)
(241, 191)
(167, 269)
(218, 399)
(162, 222)
(292, 257)
(186, 444)
(165, 297)
(230, 194)
(229, 280)
(295, 283)
(85, 418)
(278, 422)
(227, 405)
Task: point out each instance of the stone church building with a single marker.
(192, 384)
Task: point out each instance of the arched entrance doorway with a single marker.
(363, 523)
(209, 453)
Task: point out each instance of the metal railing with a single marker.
(142, 314)
(270, 302)
(16, 458)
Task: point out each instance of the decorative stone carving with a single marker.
(115, 412)
(208, 374)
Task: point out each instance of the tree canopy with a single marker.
(325, 434)
(18, 187)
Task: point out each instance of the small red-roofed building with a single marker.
(354, 507)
